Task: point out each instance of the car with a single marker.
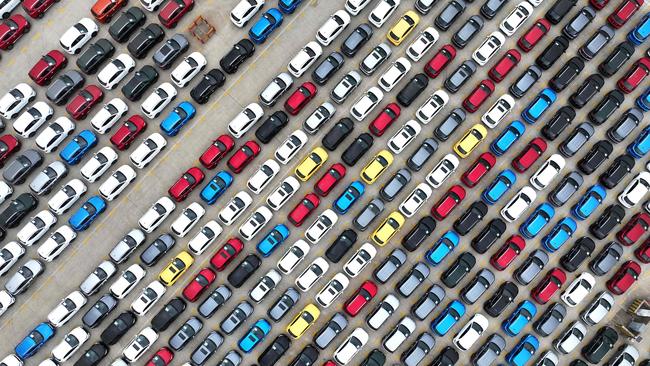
(195, 288)
(398, 334)
(388, 228)
(148, 297)
(118, 328)
(389, 266)
(498, 111)
(318, 118)
(263, 176)
(481, 166)
(238, 54)
(22, 279)
(470, 218)
(537, 220)
(382, 11)
(529, 155)
(625, 125)
(534, 34)
(422, 44)
(403, 27)
(634, 75)
(103, 10)
(156, 102)
(623, 13)
(264, 27)
(477, 286)
(470, 332)
(245, 120)
(523, 351)
(349, 348)
(170, 50)
(305, 58)
(255, 222)
(442, 324)
(227, 252)
(598, 153)
(299, 98)
(17, 98)
(589, 88)
(282, 193)
(70, 344)
(187, 219)
(148, 149)
(139, 83)
(333, 27)
(455, 273)
(9, 255)
(73, 39)
(359, 147)
(419, 157)
(272, 240)
(94, 55)
(448, 16)
(600, 345)
(490, 350)
(418, 349)
(209, 83)
(327, 68)
(547, 172)
(578, 289)
(157, 249)
(283, 304)
(443, 170)
(606, 107)
(404, 136)
(440, 61)
(567, 74)
(460, 76)
(375, 167)
(139, 344)
(290, 147)
(550, 320)
(110, 113)
(47, 66)
(525, 81)
(516, 18)
(217, 186)
(366, 103)
(499, 187)
(531, 267)
(126, 282)
(115, 71)
(348, 83)
(576, 140)
(176, 268)
(535, 109)
(616, 59)
(126, 23)
(219, 147)
(293, 256)
(488, 235)
(332, 290)
(368, 214)
(624, 278)
(235, 207)
(275, 89)
(217, 298)
(132, 128)
(394, 73)
(606, 259)
(507, 253)
(639, 33)
(37, 226)
(410, 282)
(633, 229)
(589, 202)
(412, 90)
(375, 58)
(548, 286)
(155, 215)
(346, 199)
(244, 11)
(558, 123)
(186, 183)
(549, 55)
(36, 339)
(87, 213)
(488, 48)
(12, 29)
(243, 156)
(356, 39)
(76, 149)
(415, 200)
(326, 335)
(171, 13)
(191, 65)
(572, 336)
(470, 140)
(639, 147)
(364, 294)
(478, 96)
(8, 146)
(578, 253)
(467, 31)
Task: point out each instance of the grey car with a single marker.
(236, 317)
(477, 286)
(596, 42)
(548, 322)
(156, 250)
(525, 81)
(64, 86)
(18, 169)
(428, 302)
(356, 39)
(326, 69)
(418, 350)
(369, 213)
(232, 358)
(567, 187)
(577, 139)
(218, 297)
(460, 76)
(409, 283)
(579, 22)
(330, 331)
(94, 316)
(449, 125)
(467, 31)
(389, 266)
(625, 125)
(606, 259)
(489, 351)
(20, 281)
(283, 304)
(185, 333)
(395, 185)
(165, 56)
(45, 180)
(207, 348)
(423, 153)
(531, 267)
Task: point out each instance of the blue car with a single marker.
(75, 150)
(289, 6)
(539, 105)
(589, 202)
(448, 318)
(518, 320)
(216, 187)
(507, 138)
(523, 351)
(641, 145)
(499, 186)
(537, 221)
(560, 234)
(641, 31)
(262, 29)
(254, 336)
(643, 101)
(87, 213)
(34, 341)
(441, 249)
(178, 118)
(272, 240)
(349, 197)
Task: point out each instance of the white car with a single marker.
(263, 176)
(516, 18)
(36, 228)
(117, 182)
(354, 7)
(332, 290)
(498, 111)
(6, 300)
(237, 205)
(571, 338)
(360, 260)
(547, 172)
(518, 204)
(626, 355)
(98, 164)
(155, 215)
(5, 191)
(12, 360)
(635, 190)
(398, 334)
(488, 48)
(32, 119)
(346, 351)
(115, 71)
(110, 113)
(245, 119)
(332, 27)
(66, 309)
(290, 147)
(205, 237)
(70, 344)
(78, 35)
(404, 136)
(443, 170)
(6, 7)
(579, 288)
(422, 44)
(151, 5)
(432, 106)
(312, 274)
(471, 332)
(255, 222)
(65, 197)
(52, 136)
(127, 281)
(190, 67)
(366, 103)
(9, 255)
(56, 243)
(382, 11)
(535, 3)
(303, 60)
(598, 308)
(265, 285)
(158, 100)
(148, 149)
(276, 88)
(382, 312)
(394, 73)
(293, 256)
(348, 83)
(282, 193)
(98, 277)
(187, 219)
(244, 11)
(415, 200)
(139, 345)
(148, 297)
(15, 100)
(319, 117)
(323, 223)
(127, 245)
(375, 58)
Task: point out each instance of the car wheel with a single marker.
(9, 47)
(27, 29)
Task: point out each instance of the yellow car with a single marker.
(176, 268)
(376, 166)
(303, 321)
(388, 228)
(470, 140)
(403, 27)
(309, 165)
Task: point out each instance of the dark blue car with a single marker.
(499, 186)
(643, 101)
(507, 138)
(273, 240)
(87, 213)
(589, 202)
(34, 341)
(289, 6)
(178, 118)
(75, 150)
(537, 221)
(216, 187)
(262, 29)
(539, 105)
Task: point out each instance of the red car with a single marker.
(84, 101)
(226, 254)
(642, 253)
(508, 252)
(385, 119)
(478, 96)
(624, 278)
(130, 129)
(173, 11)
(11, 30)
(440, 60)
(329, 180)
(623, 13)
(502, 68)
(37, 8)
(242, 157)
(448, 202)
(103, 10)
(162, 357)
(216, 151)
(361, 298)
(299, 98)
(534, 34)
(199, 284)
(329, 363)
(476, 171)
(598, 4)
(634, 229)
(186, 183)
(529, 155)
(44, 69)
(635, 75)
(307, 205)
(548, 286)
(8, 145)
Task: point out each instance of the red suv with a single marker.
(83, 102)
(634, 229)
(299, 98)
(44, 69)
(440, 60)
(11, 30)
(624, 278)
(478, 96)
(242, 157)
(508, 252)
(448, 202)
(502, 68)
(216, 151)
(624, 12)
(548, 286)
(8, 145)
(329, 180)
(635, 75)
(642, 253)
(303, 209)
(126, 134)
(476, 171)
(199, 284)
(186, 183)
(226, 254)
(37, 8)
(534, 34)
(361, 298)
(529, 155)
(163, 357)
(385, 119)
(173, 11)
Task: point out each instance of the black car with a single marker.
(600, 345)
(579, 22)
(501, 299)
(567, 73)
(274, 351)
(412, 89)
(607, 106)
(244, 270)
(419, 233)
(524, 82)
(307, 357)
(595, 157)
(558, 123)
(12, 215)
(93, 355)
(374, 358)
(597, 42)
(559, 10)
(271, 126)
(455, 273)
(166, 316)
(589, 88)
(447, 357)
(126, 23)
(552, 52)
(339, 131)
(357, 149)
(616, 59)
(550, 319)
(449, 125)
(170, 51)
(450, 14)
(142, 80)
(209, 83)
(327, 68)
(472, 216)
(341, 245)
(157, 249)
(577, 254)
(491, 8)
(488, 236)
(355, 40)
(100, 310)
(95, 55)
(607, 221)
(606, 259)
(118, 328)
(145, 40)
(240, 52)
(422, 154)
(467, 31)
(460, 76)
(624, 126)
(617, 171)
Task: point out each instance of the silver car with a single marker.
(42, 184)
(283, 304)
(418, 350)
(185, 333)
(369, 213)
(409, 283)
(489, 351)
(18, 169)
(22, 279)
(390, 265)
(97, 278)
(236, 317)
(428, 302)
(330, 331)
(477, 286)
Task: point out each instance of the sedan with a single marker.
(47, 66)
